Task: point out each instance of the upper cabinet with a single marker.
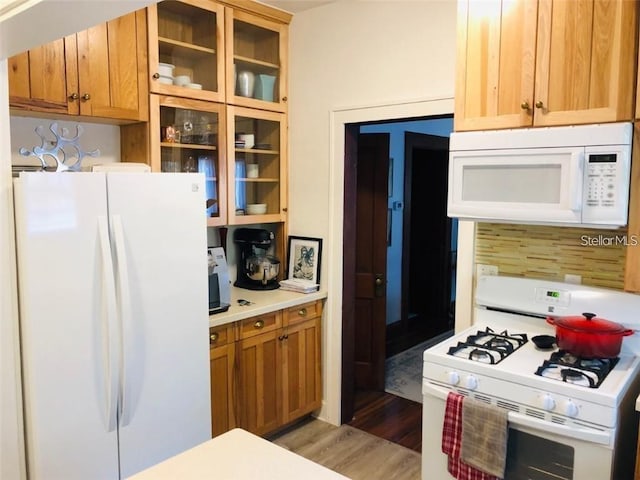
(99, 72)
(257, 166)
(256, 61)
(187, 48)
(542, 63)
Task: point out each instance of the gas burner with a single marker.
(488, 346)
(567, 367)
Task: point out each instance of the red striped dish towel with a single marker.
(452, 442)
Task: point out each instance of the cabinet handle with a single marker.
(213, 338)
(302, 312)
(86, 96)
(284, 99)
(539, 104)
(525, 105)
(73, 96)
(156, 76)
(259, 324)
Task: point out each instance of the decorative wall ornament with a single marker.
(62, 155)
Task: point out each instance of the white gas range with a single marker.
(568, 418)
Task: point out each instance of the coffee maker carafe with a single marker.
(257, 270)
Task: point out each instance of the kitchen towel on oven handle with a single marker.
(484, 436)
(452, 442)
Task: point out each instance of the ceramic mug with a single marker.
(264, 87)
(253, 171)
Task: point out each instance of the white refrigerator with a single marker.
(112, 280)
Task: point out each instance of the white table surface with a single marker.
(238, 455)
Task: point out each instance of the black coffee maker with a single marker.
(256, 269)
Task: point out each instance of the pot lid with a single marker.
(588, 322)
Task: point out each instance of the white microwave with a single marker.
(572, 176)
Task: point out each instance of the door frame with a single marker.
(332, 335)
(334, 409)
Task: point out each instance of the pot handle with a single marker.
(626, 333)
(551, 320)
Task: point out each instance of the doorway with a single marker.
(417, 179)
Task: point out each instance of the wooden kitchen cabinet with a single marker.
(256, 57)
(189, 36)
(544, 62)
(266, 184)
(260, 373)
(302, 383)
(99, 72)
(223, 383)
(183, 135)
(279, 367)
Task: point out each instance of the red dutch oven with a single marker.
(589, 336)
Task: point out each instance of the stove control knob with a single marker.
(453, 378)
(571, 409)
(548, 403)
(471, 383)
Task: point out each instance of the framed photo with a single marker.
(304, 254)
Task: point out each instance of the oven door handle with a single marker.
(518, 420)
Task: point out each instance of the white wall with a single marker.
(352, 62)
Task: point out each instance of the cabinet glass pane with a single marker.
(256, 61)
(189, 143)
(257, 167)
(187, 46)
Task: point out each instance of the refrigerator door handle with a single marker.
(109, 324)
(125, 313)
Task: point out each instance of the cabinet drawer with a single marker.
(260, 324)
(220, 336)
(303, 312)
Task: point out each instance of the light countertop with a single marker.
(262, 301)
(239, 455)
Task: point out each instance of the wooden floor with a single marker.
(350, 451)
(390, 417)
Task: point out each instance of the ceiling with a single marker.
(296, 6)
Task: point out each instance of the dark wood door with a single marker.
(372, 173)
(427, 236)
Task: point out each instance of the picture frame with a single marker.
(304, 255)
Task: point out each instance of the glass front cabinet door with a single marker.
(256, 166)
(188, 136)
(256, 61)
(186, 49)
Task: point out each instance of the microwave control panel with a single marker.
(601, 179)
(606, 185)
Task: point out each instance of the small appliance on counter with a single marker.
(256, 269)
(219, 284)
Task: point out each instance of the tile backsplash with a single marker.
(549, 253)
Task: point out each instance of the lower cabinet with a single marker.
(222, 362)
(273, 377)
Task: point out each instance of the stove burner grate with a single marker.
(566, 367)
(488, 346)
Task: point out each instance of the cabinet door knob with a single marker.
(525, 105)
(156, 76)
(302, 312)
(86, 96)
(284, 99)
(73, 96)
(213, 338)
(539, 104)
(259, 324)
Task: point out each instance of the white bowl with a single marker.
(195, 86)
(256, 208)
(181, 80)
(165, 80)
(165, 69)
